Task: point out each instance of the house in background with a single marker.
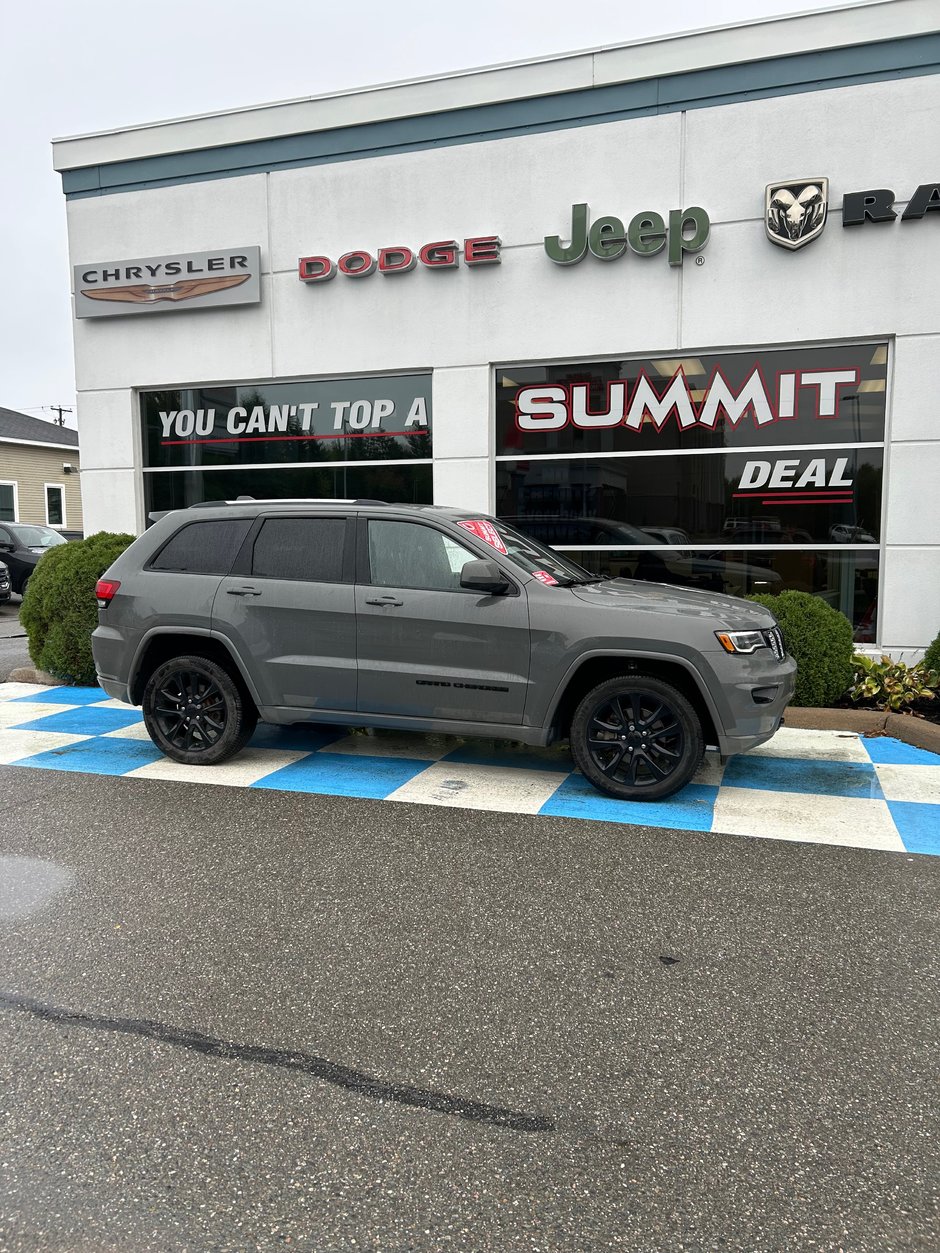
(39, 473)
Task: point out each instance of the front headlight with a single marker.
(741, 641)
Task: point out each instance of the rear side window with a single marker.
(300, 548)
(203, 547)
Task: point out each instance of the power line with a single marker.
(60, 420)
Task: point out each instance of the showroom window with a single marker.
(324, 438)
(747, 472)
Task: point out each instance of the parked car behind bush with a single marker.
(820, 639)
(59, 608)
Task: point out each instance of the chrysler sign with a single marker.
(190, 280)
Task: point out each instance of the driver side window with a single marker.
(407, 554)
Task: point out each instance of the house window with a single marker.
(55, 504)
(7, 502)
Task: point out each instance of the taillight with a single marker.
(104, 591)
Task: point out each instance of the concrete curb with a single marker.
(904, 727)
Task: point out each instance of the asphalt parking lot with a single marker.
(240, 1019)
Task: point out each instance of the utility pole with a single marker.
(60, 420)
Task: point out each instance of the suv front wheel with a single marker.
(636, 738)
(196, 713)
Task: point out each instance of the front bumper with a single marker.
(756, 692)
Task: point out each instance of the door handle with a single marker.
(384, 600)
(243, 591)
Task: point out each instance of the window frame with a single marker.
(60, 488)
(16, 500)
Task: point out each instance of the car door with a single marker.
(427, 647)
(288, 609)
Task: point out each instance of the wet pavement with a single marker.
(252, 1019)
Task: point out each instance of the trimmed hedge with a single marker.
(820, 638)
(932, 656)
(59, 609)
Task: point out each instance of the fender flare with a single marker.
(195, 633)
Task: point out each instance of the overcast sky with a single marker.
(73, 66)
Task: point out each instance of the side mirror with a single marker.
(484, 576)
(7, 548)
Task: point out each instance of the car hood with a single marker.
(665, 598)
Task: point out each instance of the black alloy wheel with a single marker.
(196, 713)
(637, 738)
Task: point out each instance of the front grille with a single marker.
(774, 640)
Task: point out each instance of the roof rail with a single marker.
(284, 500)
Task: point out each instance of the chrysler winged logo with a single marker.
(795, 211)
(148, 294)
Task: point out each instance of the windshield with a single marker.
(536, 559)
(38, 536)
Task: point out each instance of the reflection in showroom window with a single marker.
(744, 473)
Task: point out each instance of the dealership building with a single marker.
(671, 306)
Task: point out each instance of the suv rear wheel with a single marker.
(636, 738)
(196, 713)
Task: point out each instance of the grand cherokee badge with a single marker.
(795, 212)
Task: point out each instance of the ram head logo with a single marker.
(795, 212)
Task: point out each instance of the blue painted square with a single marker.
(332, 774)
(887, 752)
(296, 739)
(793, 774)
(691, 809)
(65, 696)
(488, 754)
(918, 825)
(96, 756)
(85, 720)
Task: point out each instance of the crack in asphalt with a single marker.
(288, 1059)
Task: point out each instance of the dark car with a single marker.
(5, 587)
(422, 618)
(21, 546)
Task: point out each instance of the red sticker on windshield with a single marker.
(544, 577)
(485, 531)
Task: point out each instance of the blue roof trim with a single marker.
(781, 76)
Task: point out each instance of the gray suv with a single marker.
(422, 618)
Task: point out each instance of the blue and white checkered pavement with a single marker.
(826, 787)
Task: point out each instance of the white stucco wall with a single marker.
(873, 281)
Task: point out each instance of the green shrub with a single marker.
(892, 685)
(59, 609)
(820, 638)
(932, 656)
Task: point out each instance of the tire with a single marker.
(653, 733)
(196, 713)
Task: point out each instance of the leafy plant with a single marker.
(59, 609)
(932, 656)
(820, 639)
(892, 685)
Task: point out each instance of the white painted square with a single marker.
(135, 731)
(10, 691)
(481, 787)
(16, 745)
(108, 702)
(248, 767)
(417, 747)
(853, 822)
(814, 746)
(910, 783)
(15, 713)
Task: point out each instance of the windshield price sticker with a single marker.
(544, 577)
(485, 531)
